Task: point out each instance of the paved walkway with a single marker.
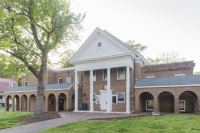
(67, 117)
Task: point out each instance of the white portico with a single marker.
(104, 51)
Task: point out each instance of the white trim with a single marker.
(167, 86)
(117, 74)
(184, 105)
(58, 80)
(150, 77)
(120, 97)
(26, 83)
(63, 69)
(179, 74)
(146, 105)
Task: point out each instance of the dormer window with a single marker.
(25, 83)
(10, 85)
(60, 80)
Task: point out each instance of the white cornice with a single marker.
(167, 86)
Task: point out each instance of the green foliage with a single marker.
(153, 124)
(196, 73)
(65, 57)
(138, 47)
(166, 57)
(8, 119)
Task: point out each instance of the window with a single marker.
(60, 80)
(94, 97)
(25, 83)
(114, 99)
(78, 80)
(181, 105)
(94, 75)
(121, 97)
(149, 104)
(105, 74)
(10, 85)
(68, 80)
(120, 73)
(0, 97)
(24, 103)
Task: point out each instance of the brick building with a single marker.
(110, 76)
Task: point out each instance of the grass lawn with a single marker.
(153, 124)
(8, 119)
(2, 108)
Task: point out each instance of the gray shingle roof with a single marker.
(61, 86)
(187, 80)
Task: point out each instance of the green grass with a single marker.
(8, 119)
(3, 108)
(149, 124)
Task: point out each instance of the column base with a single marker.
(127, 112)
(75, 111)
(91, 111)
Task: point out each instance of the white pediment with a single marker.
(91, 50)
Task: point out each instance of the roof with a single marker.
(172, 81)
(137, 54)
(61, 86)
(7, 80)
(2, 94)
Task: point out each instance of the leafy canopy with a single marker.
(30, 29)
(138, 47)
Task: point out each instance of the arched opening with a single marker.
(16, 103)
(24, 103)
(166, 102)
(52, 102)
(146, 102)
(188, 102)
(32, 102)
(73, 102)
(8, 102)
(62, 102)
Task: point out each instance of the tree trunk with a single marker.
(41, 88)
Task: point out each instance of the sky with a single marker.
(162, 25)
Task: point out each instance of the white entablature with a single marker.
(102, 50)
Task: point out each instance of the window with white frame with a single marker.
(94, 75)
(94, 97)
(68, 80)
(60, 80)
(149, 104)
(181, 105)
(121, 73)
(120, 97)
(78, 80)
(10, 85)
(25, 83)
(105, 74)
(114, 99)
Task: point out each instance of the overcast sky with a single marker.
(162, 25)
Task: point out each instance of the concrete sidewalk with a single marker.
(67, 117)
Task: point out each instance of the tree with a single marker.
(196, 73)
(166, 57)
(65, 57)
(31, 29)
(138, 47)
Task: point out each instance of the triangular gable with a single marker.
(109, 47)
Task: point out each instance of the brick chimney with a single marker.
(14, 78)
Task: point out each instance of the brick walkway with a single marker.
(67, 117)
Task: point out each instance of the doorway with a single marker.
(61, 104)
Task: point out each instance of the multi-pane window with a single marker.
(114, 99)
(68, 80)
(120, 73)
(94, 97)
(94, 75)
(0, 97)
(181, 105)
(121, 97)
(10, 85)
(60, 80)
(149, 104)
(25, 83)
(105, 74)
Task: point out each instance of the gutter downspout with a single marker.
(134, 85)
(81, 89)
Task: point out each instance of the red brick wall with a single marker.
(165, 70)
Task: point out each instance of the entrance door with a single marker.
(103, 100)
(61, 104)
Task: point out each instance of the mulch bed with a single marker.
(45, 116)
(118, 118)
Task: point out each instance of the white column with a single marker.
(91, 91)
(108, 91)
(76, 91)
(128, 90)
